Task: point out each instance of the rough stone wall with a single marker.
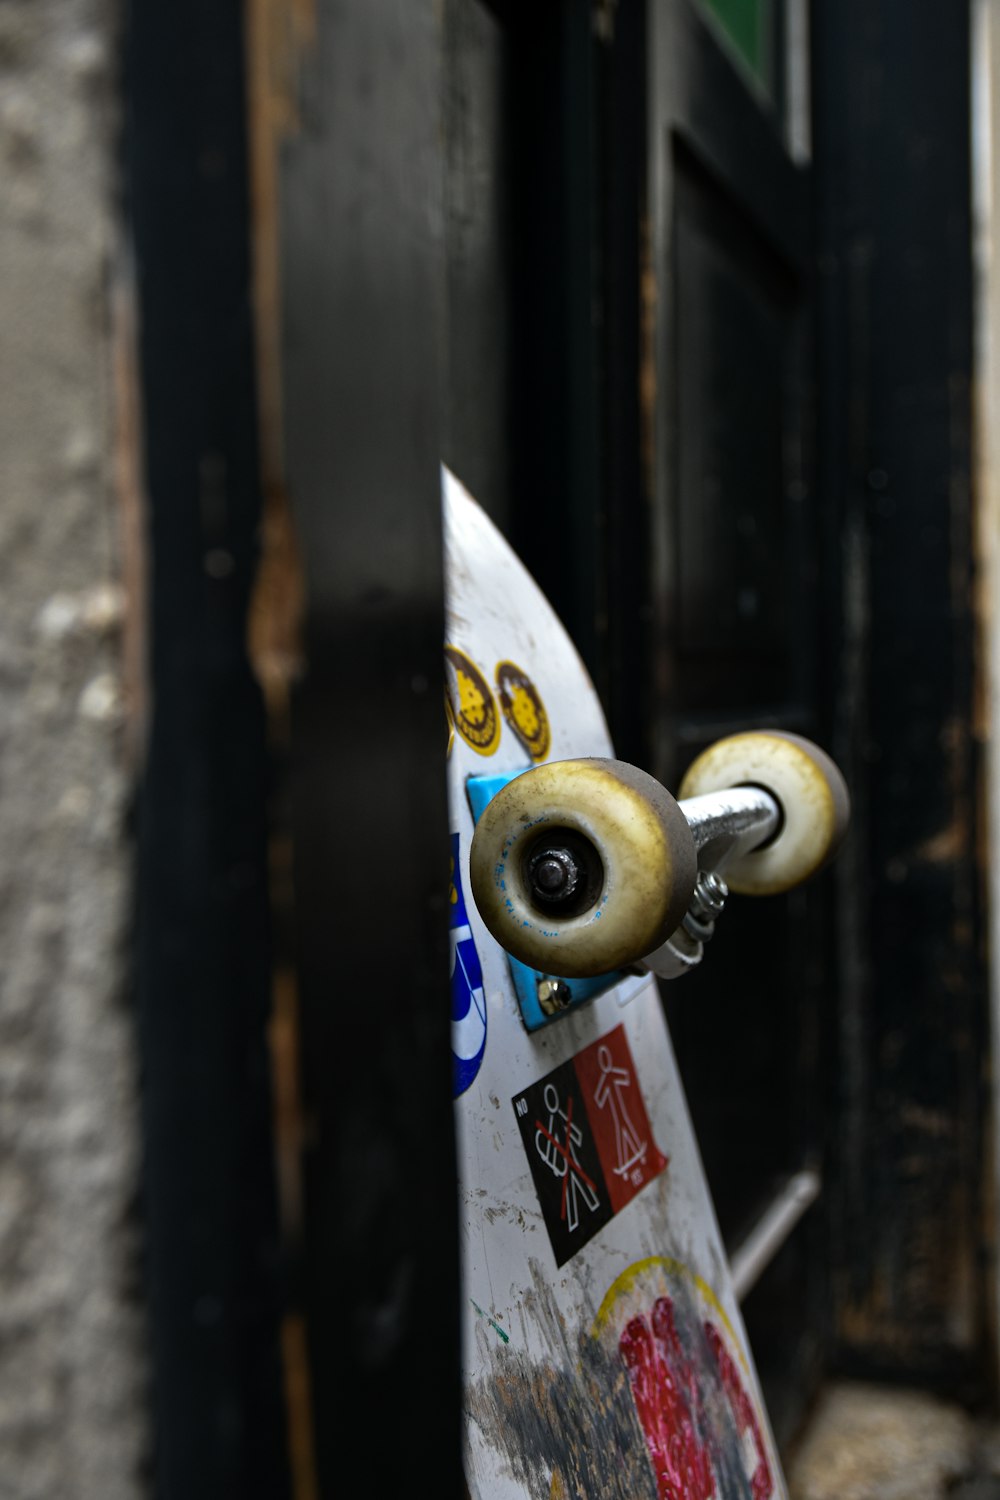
(73, 1375)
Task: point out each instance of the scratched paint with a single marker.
(566, 1424)
(649, 1399)
(491, 1321)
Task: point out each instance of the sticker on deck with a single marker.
(588, 1140)
(468, 1000)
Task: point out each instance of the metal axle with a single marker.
(724, 825)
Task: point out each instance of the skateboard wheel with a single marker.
(579, 867)
(806, 784)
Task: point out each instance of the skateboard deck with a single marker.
(603, 1349)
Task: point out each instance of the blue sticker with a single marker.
(468, 1000)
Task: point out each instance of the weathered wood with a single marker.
(362, 278)
(204, 953)
(892, 152)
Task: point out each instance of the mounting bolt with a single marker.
(554, 995)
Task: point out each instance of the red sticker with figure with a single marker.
(629, 1155)
(588, 1140)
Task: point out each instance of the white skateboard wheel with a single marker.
(806, 784)
(579, 867)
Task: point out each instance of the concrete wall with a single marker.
(73, 1372)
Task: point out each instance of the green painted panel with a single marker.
(747, 28)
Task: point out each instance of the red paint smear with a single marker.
(667, 1395)
(761, 1483)
(665, 1330)
(682, 1471)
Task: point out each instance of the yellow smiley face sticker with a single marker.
(471, 703)
(523, 709)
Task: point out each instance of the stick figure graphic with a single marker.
(630, 1148)
(561, 1158)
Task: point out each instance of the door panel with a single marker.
(734, 639)
(653, 317)
(622, 200)
(747, 28)
(361, 255)
(734, 547)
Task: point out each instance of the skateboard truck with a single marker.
(542, 996)
(583, 867)
(724, 825)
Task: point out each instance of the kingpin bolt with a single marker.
(707, 901)
(709, 896)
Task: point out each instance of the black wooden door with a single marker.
(628, 336)
(606, 196)
(361, 257)
(916, 1233)
(713, 531)
(629, 384)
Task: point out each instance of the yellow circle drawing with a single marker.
(678, 1368)
(473, 710)
(523, 709)
(637, 1272)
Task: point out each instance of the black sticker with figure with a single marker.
(563, 1158)
(588, 1140)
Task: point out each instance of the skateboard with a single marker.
(603, 1349)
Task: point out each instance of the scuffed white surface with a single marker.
(496, 612)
